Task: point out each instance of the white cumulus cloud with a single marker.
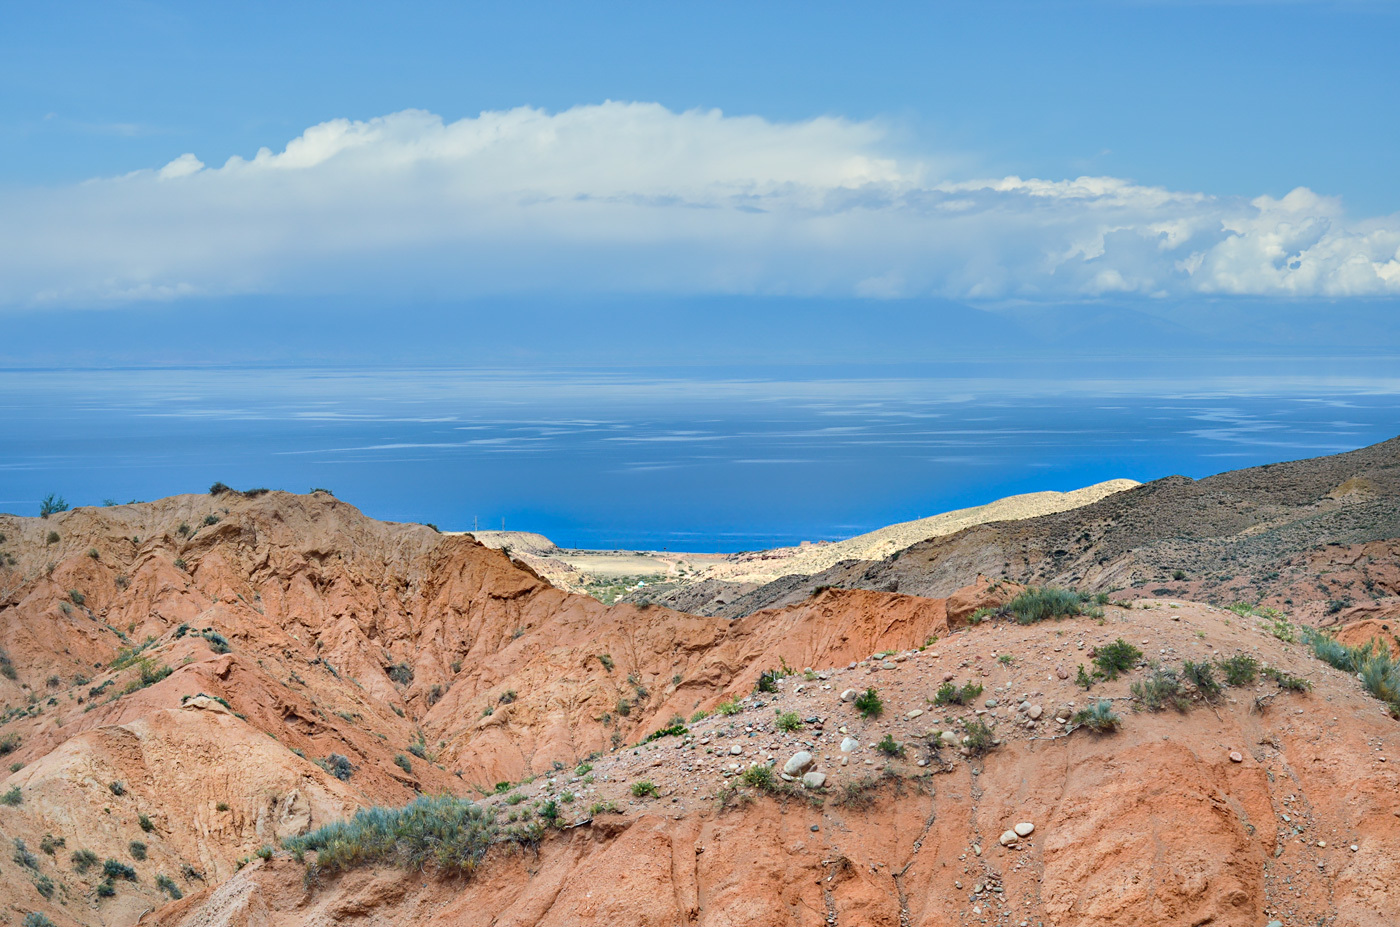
(632, 197)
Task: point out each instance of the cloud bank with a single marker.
(635, 198)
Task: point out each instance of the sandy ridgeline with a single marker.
(672, 572)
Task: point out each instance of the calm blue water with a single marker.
(703, 459)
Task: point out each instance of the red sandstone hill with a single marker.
(302, 639)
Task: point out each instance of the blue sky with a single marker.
(933, 195)
(987, 152)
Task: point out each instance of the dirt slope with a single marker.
(429, 663)
(190, 675)
(1278, 534)
(1267, 806)
(704, 583)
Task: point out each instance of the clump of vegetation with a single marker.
(951, 694)
(402, 762)
(890, 747)
(338, 766)
(50, 844)
(400, 673)
(978, 738)
(868, 703)
(116, 869)
(7, 668)
(1045, 603)
(1202, 677)
(83, 860)
(1240, 669)
(1160, 690)
(450, 833)
(117, 787)
(150, 674)
(167, 885)
(77, 597)
(10, 743)
(145, 822)
(789, 721)
(1116, 658)
(607, 661)
(729, 706)
(644, 789)
(217, 642)
(137, 849)
(760, 777)
(1098, 717)
(23, 857)
(1287, 681)
(51, 505)
(677, 728)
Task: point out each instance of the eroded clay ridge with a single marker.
(192, 682)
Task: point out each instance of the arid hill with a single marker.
(1318, 537)
(703, 583)
(192, 685)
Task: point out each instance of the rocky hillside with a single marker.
(195, 687)
(1317, 537)
(703, 583)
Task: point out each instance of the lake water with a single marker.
(701, 459)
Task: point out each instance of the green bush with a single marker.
(1240, 669)
(677, 729)
(23, 857)
(167, 885)
(34, 918)
(1044, 603)
(138, 850)
(145, 823)
(117, 787)
(115, 869)
(52, 505)
(644, 789)
(450, 833)
(1098, 717)
(978, 738)
(1116, 658)
(9, 743)
(868, 703)
(789, 721)
(759, 777)
(890, 747)
(951, 694)
(1202, 676)
(12, 797)
(83, 860)
(402, 762)
(105, 889)
(729, 707)
(1160, 690)
(338, 766)
(1287, 681)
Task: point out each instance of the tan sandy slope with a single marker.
(587, 570)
